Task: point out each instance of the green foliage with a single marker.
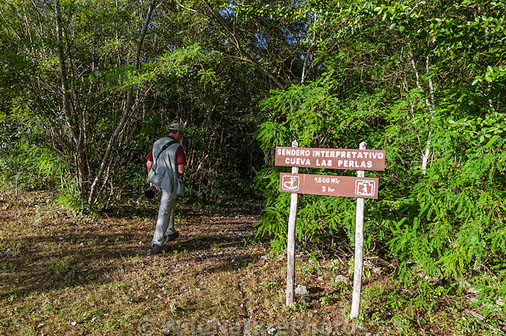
(315, 116)
(458, 227)
(425, 82)
(27, 164)
(125, 95)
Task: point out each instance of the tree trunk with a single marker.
(106, 159)
(69, 105)
(430, 105)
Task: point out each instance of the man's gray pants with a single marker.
(165, 221)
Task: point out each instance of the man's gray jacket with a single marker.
(164, 171)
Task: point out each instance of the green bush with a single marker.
(444, 222)
(25, 163)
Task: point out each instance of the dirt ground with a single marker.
(74, 274)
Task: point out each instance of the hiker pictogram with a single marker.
(365, 188)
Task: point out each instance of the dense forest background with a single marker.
(87, 86)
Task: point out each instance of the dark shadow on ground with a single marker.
(78, 254)
(28, 266)
(150, 209)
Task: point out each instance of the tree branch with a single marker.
(126, 111)
(218, 19)
(430, 106)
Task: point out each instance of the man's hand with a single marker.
(149, 164)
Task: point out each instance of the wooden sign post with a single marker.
(359, 246)
(290, 248)
(329, 185)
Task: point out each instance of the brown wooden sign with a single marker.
(355, 159)
(329, 185)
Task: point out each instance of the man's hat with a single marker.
(176, 127)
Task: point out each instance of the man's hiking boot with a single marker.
(156, 249)
(172, 236)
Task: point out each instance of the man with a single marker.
(165, 163)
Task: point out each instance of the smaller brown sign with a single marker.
(355, 159)
(329, 185)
